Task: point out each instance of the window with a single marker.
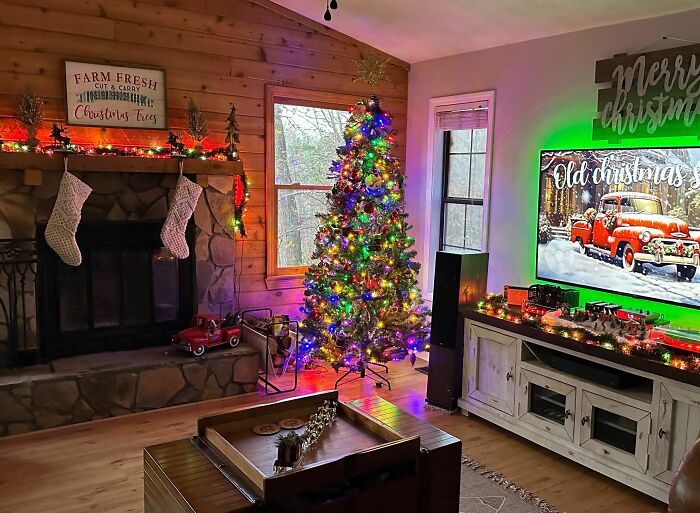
(305, 142)
(648, 205)
(307, 128)
(458, 176)
(464, 167)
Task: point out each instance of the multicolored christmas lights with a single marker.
(361, 301)
(495, 305)
(240, 202)
(157, 152)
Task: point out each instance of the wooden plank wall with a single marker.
(216, 51)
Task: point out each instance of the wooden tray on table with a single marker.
(358, 462)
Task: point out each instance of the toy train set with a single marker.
(645, 318)
(543, 300)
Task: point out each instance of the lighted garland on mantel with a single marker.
(30, 113)
(495, 305)
(110, 150)
(241, 183)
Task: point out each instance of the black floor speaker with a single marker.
(460, 279)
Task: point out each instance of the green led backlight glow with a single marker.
(558, 132)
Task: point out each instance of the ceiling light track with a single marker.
(333, 4)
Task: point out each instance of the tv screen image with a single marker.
(625, 221)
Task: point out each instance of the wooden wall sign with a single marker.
(653, 94)
(115, 96)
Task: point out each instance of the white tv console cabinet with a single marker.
(636, 435)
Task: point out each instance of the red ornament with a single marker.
(369, 208)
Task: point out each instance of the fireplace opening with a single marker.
(129, 291)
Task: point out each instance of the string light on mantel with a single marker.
(109, 150)
(240, 203)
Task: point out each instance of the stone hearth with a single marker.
(104, 385)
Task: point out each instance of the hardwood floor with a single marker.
(98, 466)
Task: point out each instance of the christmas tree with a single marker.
(361, 301)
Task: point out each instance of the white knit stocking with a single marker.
(65, 217)
(173, 233)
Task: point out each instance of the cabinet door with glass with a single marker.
(547, 404)
(491, 369)
(615, 431)
(677, 428)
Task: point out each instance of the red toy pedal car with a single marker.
(208, 331)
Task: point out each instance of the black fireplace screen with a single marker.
(18, 338)
(129, 291)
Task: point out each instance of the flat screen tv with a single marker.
(625, 221)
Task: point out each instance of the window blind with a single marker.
(463, 117)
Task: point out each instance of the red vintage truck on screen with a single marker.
(632, 227)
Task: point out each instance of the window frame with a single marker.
(445, 198)
(285, 277)
(434, 178)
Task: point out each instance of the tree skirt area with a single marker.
(485, 491)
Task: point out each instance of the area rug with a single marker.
(486, 491)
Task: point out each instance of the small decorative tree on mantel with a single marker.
(197, 125)
(30, 112)
(232, 137)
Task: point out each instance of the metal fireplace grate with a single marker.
(18, 267)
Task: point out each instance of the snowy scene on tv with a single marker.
(623, 220)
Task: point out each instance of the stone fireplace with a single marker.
(128, 293)
(98, 305)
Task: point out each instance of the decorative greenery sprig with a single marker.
(290, 438)
(30, 112)
(197, 125)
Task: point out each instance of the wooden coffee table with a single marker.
(375, 457)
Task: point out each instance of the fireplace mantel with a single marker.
(112, 164)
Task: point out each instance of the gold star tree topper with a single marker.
(371, 69)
